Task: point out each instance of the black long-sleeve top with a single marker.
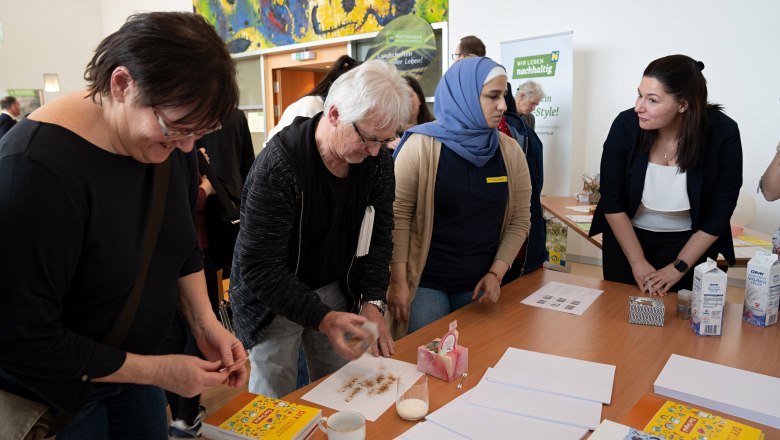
(72, 225)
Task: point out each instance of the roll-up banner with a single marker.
(548, 61)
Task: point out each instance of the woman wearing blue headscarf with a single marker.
(462, 200)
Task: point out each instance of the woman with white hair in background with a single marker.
(529, 95)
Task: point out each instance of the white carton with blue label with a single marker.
(762, 289)
(708, 299)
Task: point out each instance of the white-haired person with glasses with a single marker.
(297, 276)
(97, 200)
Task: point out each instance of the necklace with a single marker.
(669, 153)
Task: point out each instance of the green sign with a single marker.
(535, 66)
(407, 42)
(24, 93)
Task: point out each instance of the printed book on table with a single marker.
(251, 416)
(671, 420)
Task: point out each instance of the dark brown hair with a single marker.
(423, 113)
(342, 65)
(471, 45)
(7, 102)
(681, 77)
(176, 59)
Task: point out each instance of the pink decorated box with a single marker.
(448, 366)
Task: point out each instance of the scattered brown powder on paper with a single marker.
(379, 383)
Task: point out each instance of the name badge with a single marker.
(499, 179)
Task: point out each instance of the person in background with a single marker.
(297, 275)
(671, 171)
(420, 112)
(10, 112)
(313, 102)
(90, 157)
(533, 253)
(770, 180)
(770, 187)
(229, 153)
(469, 46)
(529, 95)
(462, 200)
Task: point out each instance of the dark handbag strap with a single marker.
(222, 194)
(117, 335)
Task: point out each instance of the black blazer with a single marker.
(713, 183)
(6, 122)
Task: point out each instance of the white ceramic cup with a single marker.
(411, 401)
(345, 425)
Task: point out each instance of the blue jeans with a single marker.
(274, 359)
(429, 305)
(120, 411)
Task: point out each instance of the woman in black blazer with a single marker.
(671, 171)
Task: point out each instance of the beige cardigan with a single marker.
(415, 176)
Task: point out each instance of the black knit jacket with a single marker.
(274, 216)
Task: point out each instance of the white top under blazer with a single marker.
(665, 205)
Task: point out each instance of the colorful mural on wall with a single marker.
(248, 25)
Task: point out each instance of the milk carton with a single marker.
(708, 298)
(762, 289)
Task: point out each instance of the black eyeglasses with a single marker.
(455, 56)
(172, 135)
(372, 143)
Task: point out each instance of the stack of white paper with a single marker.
(555, 374)
(475, 422)
(530, 395)
(741, 393)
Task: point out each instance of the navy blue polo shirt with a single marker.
(469, 207)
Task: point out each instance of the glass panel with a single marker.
(256, 121)
(250, 87)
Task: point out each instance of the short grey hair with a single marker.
(374, 89)
(531, 89)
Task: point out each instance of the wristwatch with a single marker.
(681, 266)
(381, 305)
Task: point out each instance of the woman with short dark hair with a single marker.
(78, 180)
(671, 171)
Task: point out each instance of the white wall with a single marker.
(613, 42)
(115, 12)
(47, 36)
(55, 36)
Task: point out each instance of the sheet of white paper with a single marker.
(580, 218)
(562, 297)
(428, 431)
(346, 389)
(555, 374)
(537, 404)
(741, 393)
(580, 208)
(478, 423)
